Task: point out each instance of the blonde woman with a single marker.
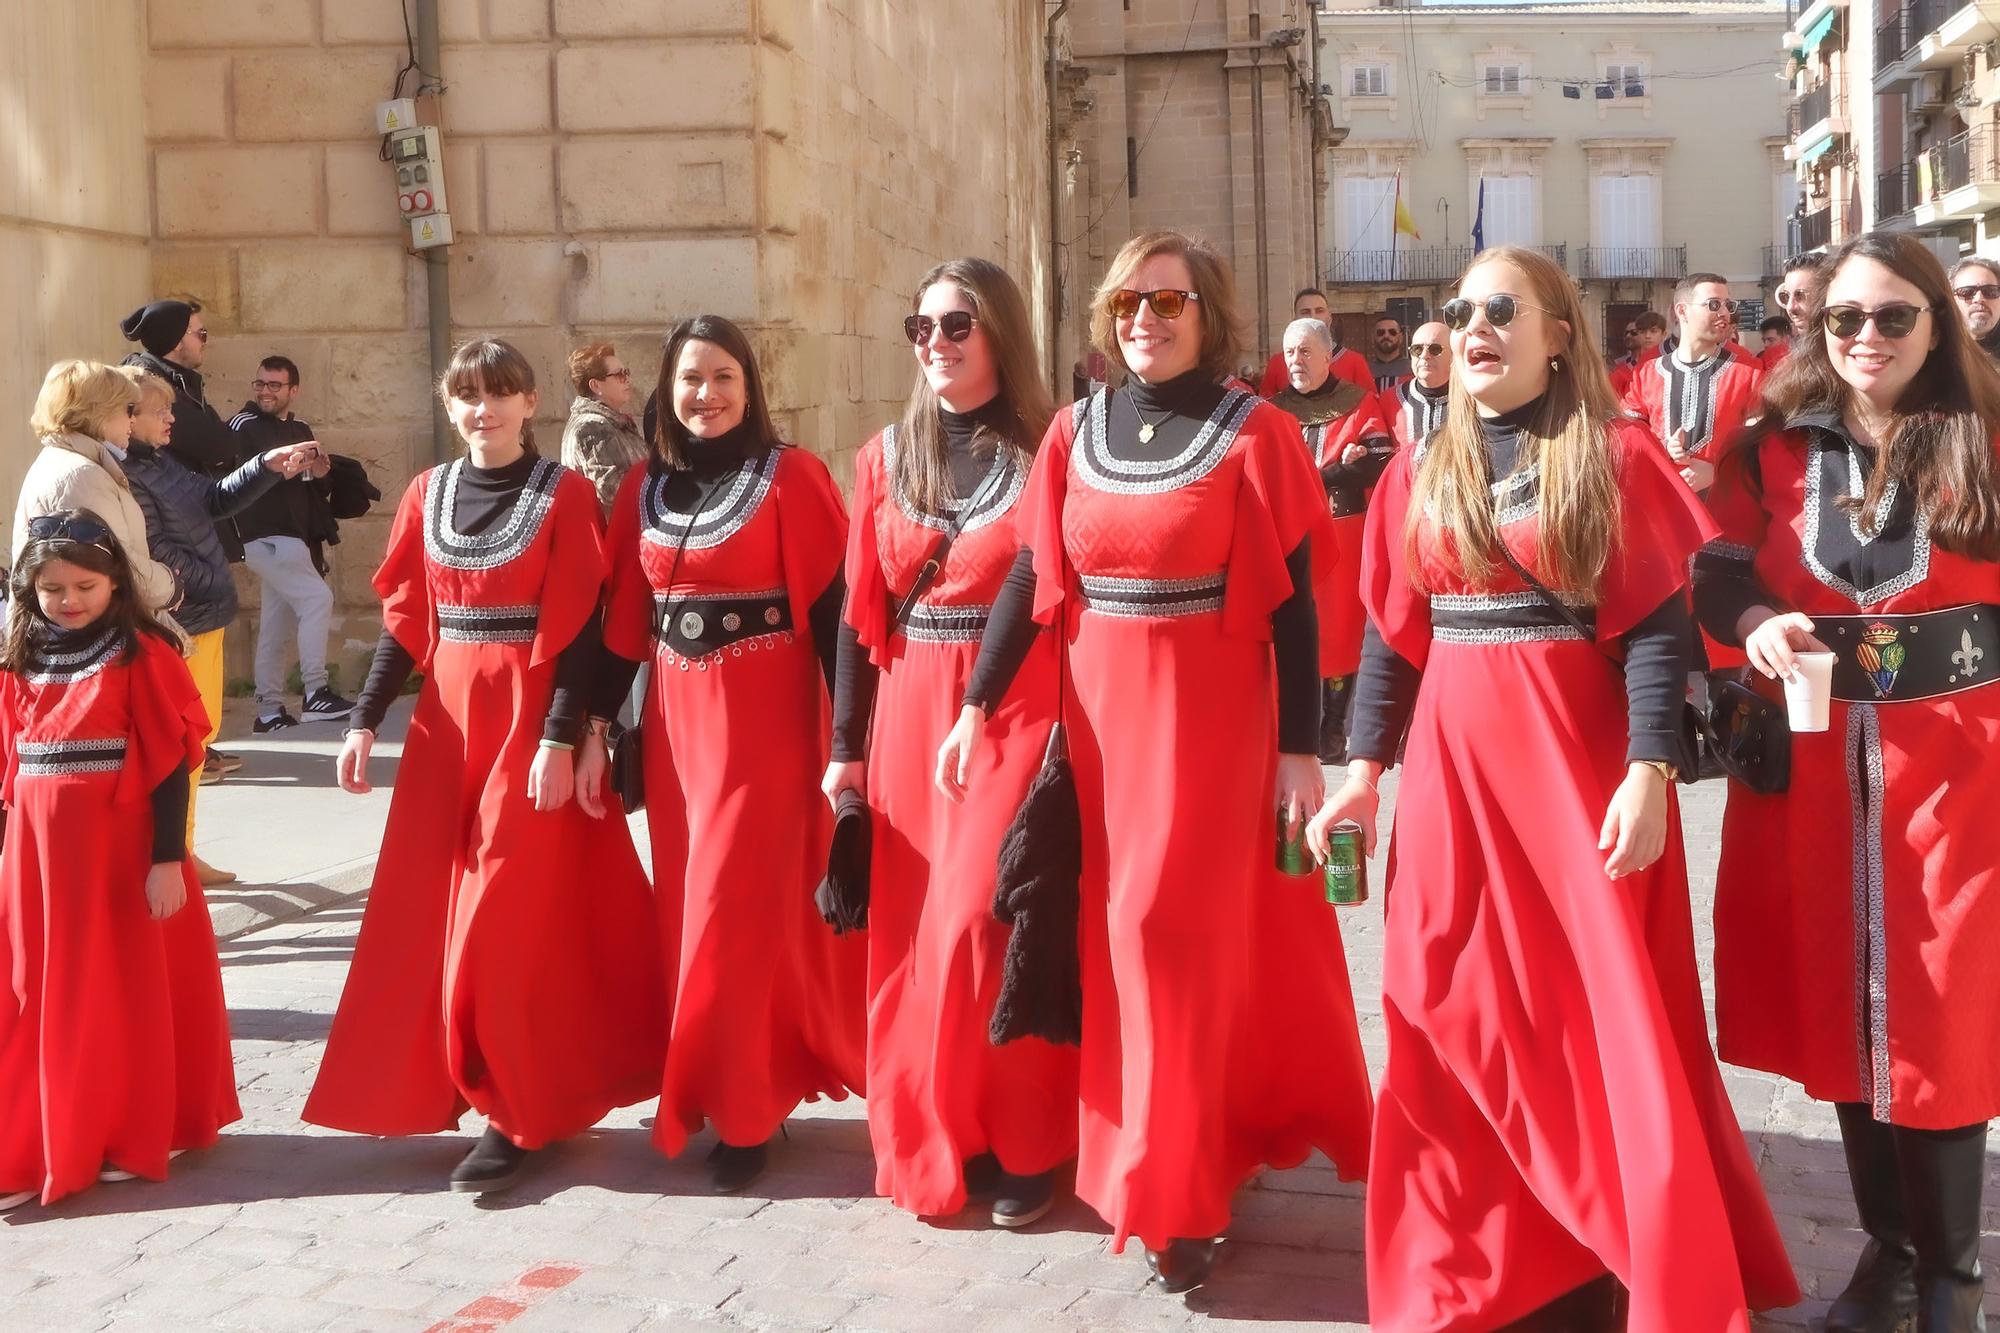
(83, 417)
(1550, 1117)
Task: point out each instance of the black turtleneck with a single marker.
(1659, 651)
(969, 456)
(487, 496)
(1176, 409)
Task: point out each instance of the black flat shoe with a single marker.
(494, 1164)
(982, 1176)
(1183, 1265)
(1019, 1201)
(731, 1168)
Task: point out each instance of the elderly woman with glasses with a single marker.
(601, 439)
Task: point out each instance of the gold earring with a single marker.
(1555, 366)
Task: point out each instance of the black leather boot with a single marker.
(1020, 1201)
(732, 1168)
(1335, 695)
(1882, 1294)
(494, 1164)
(1943, 1171)
(1598, 1306)
(1183, 1265)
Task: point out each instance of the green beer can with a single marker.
(1346, 866)
(1293, 858)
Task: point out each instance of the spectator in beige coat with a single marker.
(601, 440)
(83, 417)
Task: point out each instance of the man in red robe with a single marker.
(1415, 408)
(1348, 364)
(1646, 332)
(1698, 393)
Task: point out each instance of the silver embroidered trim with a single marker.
(715, 524)
(1156, 476)
(1866, 782)
(1694, 379)
(760, 595)
(1507, 511)
(929, 623)
(487, 612)
(1502, 633)
(36, 758)
(1499, 601)
(1920, 564)
(1731, 551)
(452, 549)
(68, 668)
(1111, 595)
(1421, 415)
(990, 499)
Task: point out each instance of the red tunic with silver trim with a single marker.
(1858, 912)
(507, 960)
(1411, 416)
(939, 1090)
(1549, 1108)
(1710, 401)
(114, 1041)
(1218, 1028)
(767, 1002)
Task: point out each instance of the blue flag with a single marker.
(1479, 220)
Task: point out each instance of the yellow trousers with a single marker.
(205, 663)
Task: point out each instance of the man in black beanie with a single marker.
(176, 341)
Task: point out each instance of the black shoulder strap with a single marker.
(933, 566)
(1557, 604)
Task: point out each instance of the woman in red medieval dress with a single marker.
(1857, 912)
(507, 959)
(1550, 1116)
(950, 1113)
(725, 567)
(1171, 528)
(114, 1042)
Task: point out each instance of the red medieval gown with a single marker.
(1857, 913)
(114, 1039)
(767, 1004)
(1550, 1108)
(1218, 1027)
(939, 1092)
(507, 959)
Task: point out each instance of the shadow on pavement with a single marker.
(278, 1025)
(253, 952)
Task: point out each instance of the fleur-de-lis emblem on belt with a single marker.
(1967, 654)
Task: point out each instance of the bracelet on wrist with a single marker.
(1364, 780)
(547, 744)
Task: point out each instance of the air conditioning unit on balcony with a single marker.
(1929, 94)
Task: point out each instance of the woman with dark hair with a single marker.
(114, 1042)
(1551, 1122)
(725, 571)
(507, 959)
(950, 1113)
(1857, 912)
(1170, 529)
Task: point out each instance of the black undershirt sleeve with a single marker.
(854, 681)
(1657, 652)
(1720, 599)
(1009, 635)
(576, 672)
(1385, 695)
(170, 815)
(1364, 471)
(387, 675)
(611, 684)
(824, 618)
(1295, 646)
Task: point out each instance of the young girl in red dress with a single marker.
(725, 569)
(507, 959)
(114, 1041)
(1857, 912)
(1171, 529)
(1550, 1116)
(950, 1113)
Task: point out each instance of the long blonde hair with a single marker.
(1452, 499)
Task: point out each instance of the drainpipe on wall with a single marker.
(1257, 157)
(437, 260)
(1055, 206)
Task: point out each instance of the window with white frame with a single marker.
(1366, 216)
(1501, 78)
(1368, 80)
(1625, 212)
(1507, 215)
(1626, 79)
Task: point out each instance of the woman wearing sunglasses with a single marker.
(1551, 1123)
(1857, 913)
(1171, 527)
(950, 1113)
(725, 575)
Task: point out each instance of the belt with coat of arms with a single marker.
(1896, 659)
(698, 626)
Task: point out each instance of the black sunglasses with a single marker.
(1500, 311)
(1717, 304)
(1167, 302)
(956, 324)
(1426, 349)
(69, 528)
(1892, 321)
(1989, 291)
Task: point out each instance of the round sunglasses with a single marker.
(1891, 321)
(1167, 302)
(1500, 311)
(957, 326)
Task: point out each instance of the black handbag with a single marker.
(1746, 735)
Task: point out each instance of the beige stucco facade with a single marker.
(1666, 156)
(611, 165)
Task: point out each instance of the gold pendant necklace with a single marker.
(1145, 426)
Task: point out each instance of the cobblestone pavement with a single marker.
(284, 1226)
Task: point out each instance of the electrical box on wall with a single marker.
(396, 114)
(419, 163)
(429, 230)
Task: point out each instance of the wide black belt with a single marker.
(1149, 598)
(698, 626)
(1502, 617)
(1894, 659)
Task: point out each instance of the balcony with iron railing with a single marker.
(1434, 264)
(1632, 261)
(1774, 262)
(1959, 179)
(1895, 192)
(1811, 230)
(1938, 34)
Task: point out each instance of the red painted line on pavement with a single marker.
(498, 1308)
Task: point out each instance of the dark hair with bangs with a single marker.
(498, 368)
(671, 441)
(27, 626)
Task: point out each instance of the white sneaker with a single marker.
(111, 1175)
(9, 1202)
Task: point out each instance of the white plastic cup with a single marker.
(1809, 692)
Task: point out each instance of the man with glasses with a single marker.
(1975, 286)
(1390, 365)
(1698, 393)
(1348, 364)
(175, 338)
(601, 440)
(1643, 337)
(1798, 290)
(1416, 407)
(282, 532)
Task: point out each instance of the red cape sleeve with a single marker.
(628, 598)
(1401, 614)
(1275, 376)
(402, 583)
(1280, 503)
(574, 581)
(1039, 515)
(168, 720)
(867, 609)
(812, 532)
(1733, 504)
(1661, 525)
(1351, 366)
